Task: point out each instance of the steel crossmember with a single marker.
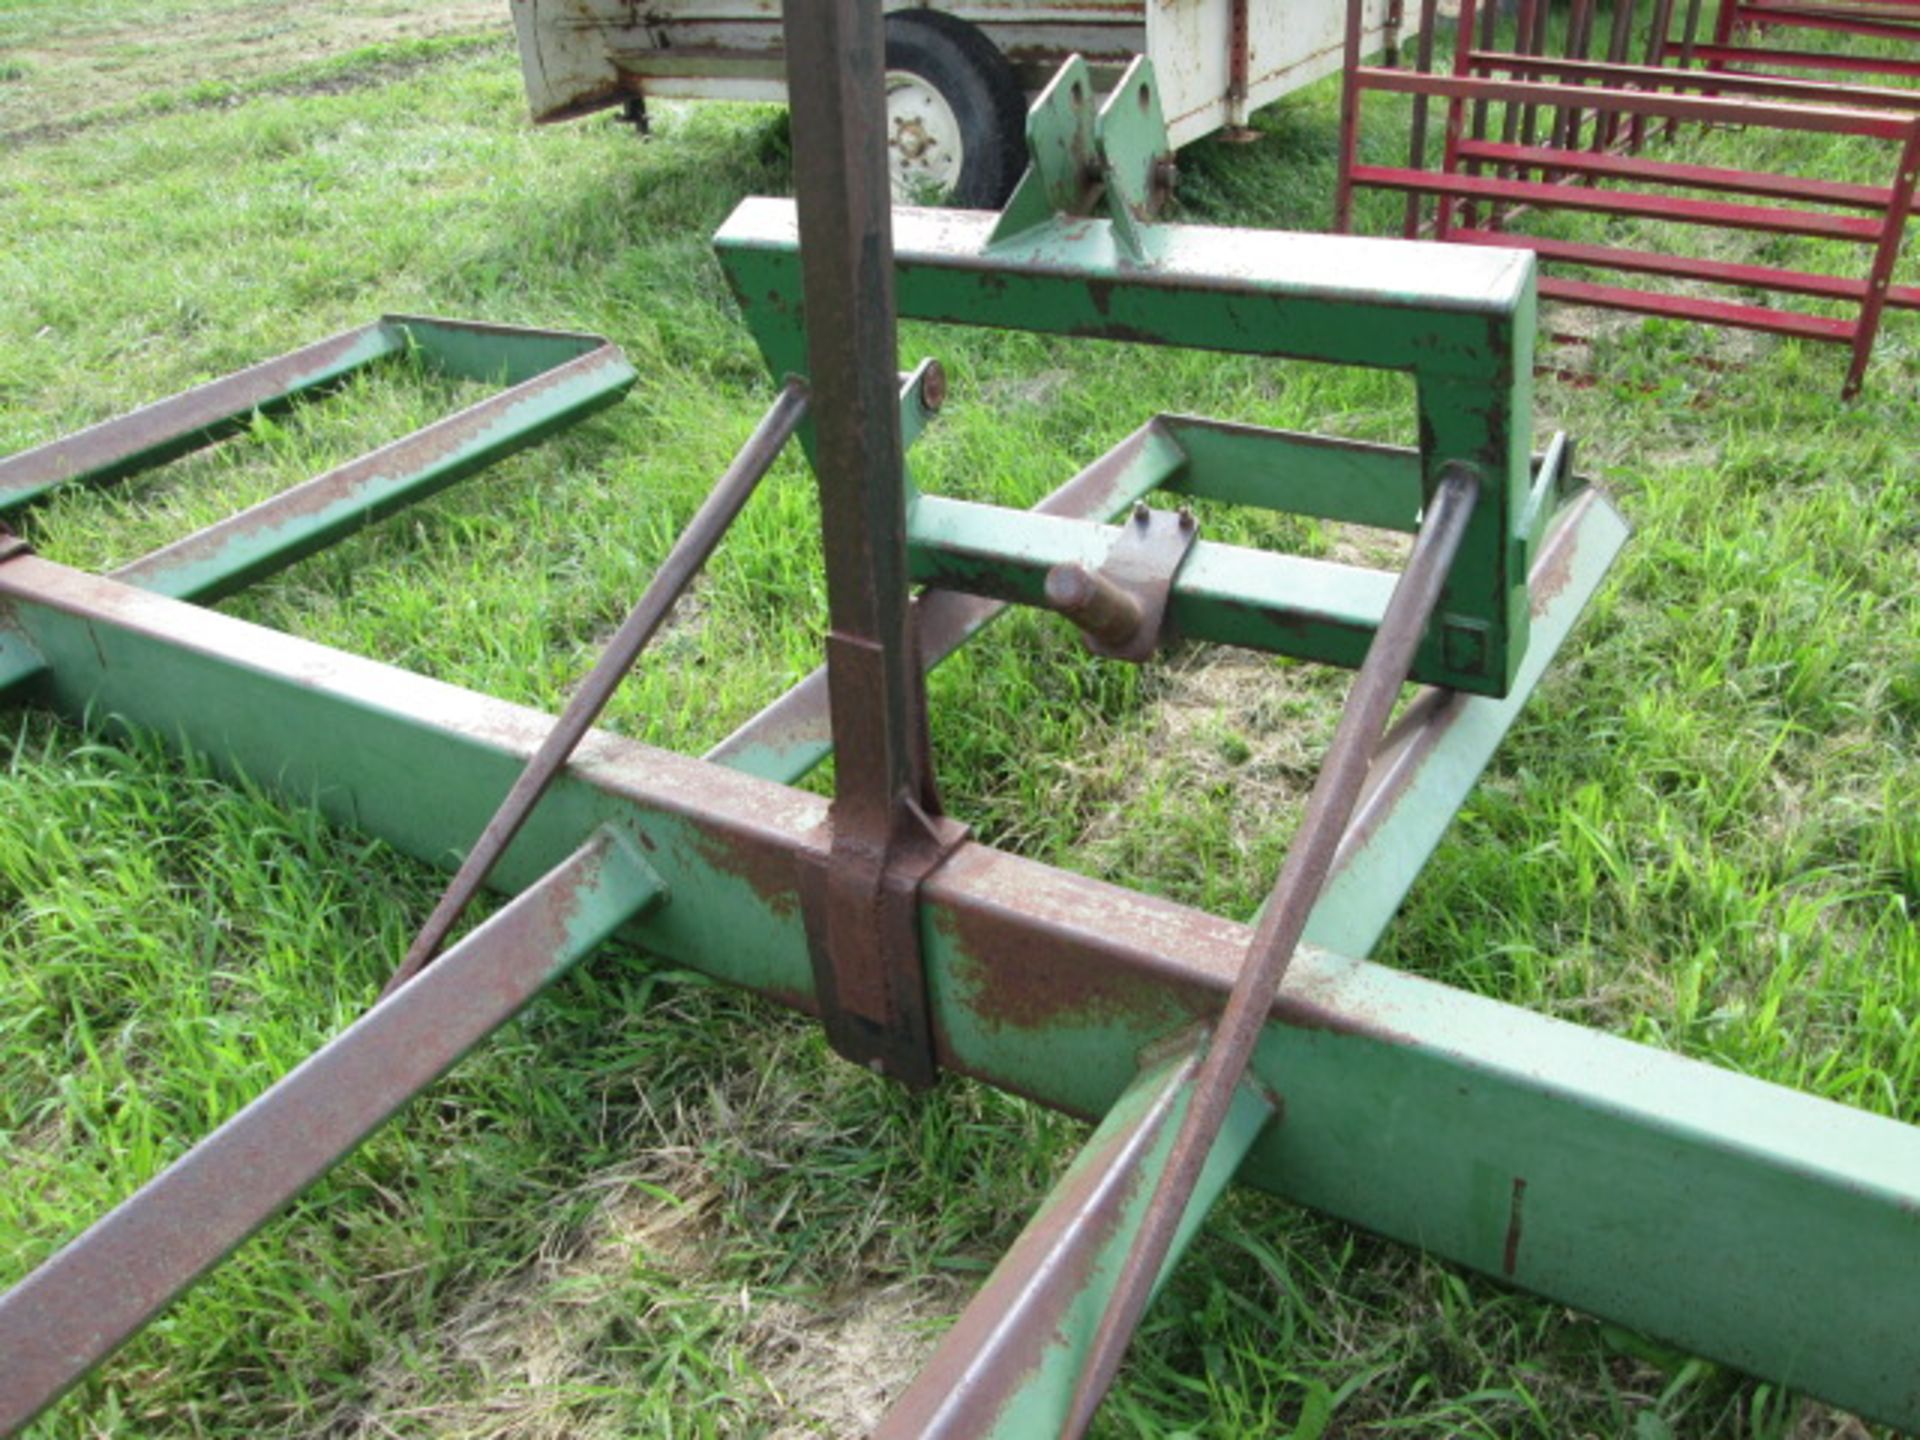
(1637, 1185)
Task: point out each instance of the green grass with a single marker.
(655, 1207)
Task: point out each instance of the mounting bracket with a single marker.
(1121, 607)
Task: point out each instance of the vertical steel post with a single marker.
(860, 909)
(1569, 118)
(1885, 253)
(1489, 33)
(1417, 127)
(1445, 201)
(1607, 125)
(834, 58)
(1535, 43)
(1654, 58)
(1351, 61)
(1238, 46)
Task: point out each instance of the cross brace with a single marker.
(1659, 1192)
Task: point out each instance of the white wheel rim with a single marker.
(924, 151)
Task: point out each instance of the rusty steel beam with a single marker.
(1007, 1367)
(1431, 759)
(887, 829)
(85, 1302)
(265, 538)
(185, 422)
(1639, 1186)
(690, 552)
(1296, 893)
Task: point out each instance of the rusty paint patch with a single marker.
(1398, 765)
(1553, 568)
(81, 1305)
(1510, 1255)
(399, 468)
(184, 421)
(1027, 976)
(1019, 1319)
(771, 872)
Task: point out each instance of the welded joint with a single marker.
(1121, 608)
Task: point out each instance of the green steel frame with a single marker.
(1461, 327)
(1747, 1222)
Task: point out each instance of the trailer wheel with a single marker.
(956, 118)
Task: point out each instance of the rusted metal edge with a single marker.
(1008, 1365)
(1276, 938)
(690, 552)
(1633, 1223)
(158, 432)
(81, 1305)
(885, 826)
(1662, 1193)
(1121, 607)
(1434, 754)
(233, 553)
(269, 536)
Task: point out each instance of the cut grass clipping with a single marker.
(653, 1207)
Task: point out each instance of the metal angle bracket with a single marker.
(1118, 157)
(1063, 167)
(1121, 608)
(1136, 156)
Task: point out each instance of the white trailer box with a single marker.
(959, 75)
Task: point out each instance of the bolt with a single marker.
(1187, 521)
(1141, 514)
(933, 386)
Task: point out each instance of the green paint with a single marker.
(1459, 321)
(1144, 1120)
(337, 358)
(1060, 145)
(1367, 887)
(1667, 1195)
(1131, 136)
(1348, 480)
(367, 490)
(1313, 609)
(286, 528)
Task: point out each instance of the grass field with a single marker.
(655, 1208)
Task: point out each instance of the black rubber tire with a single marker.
(979, 86)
